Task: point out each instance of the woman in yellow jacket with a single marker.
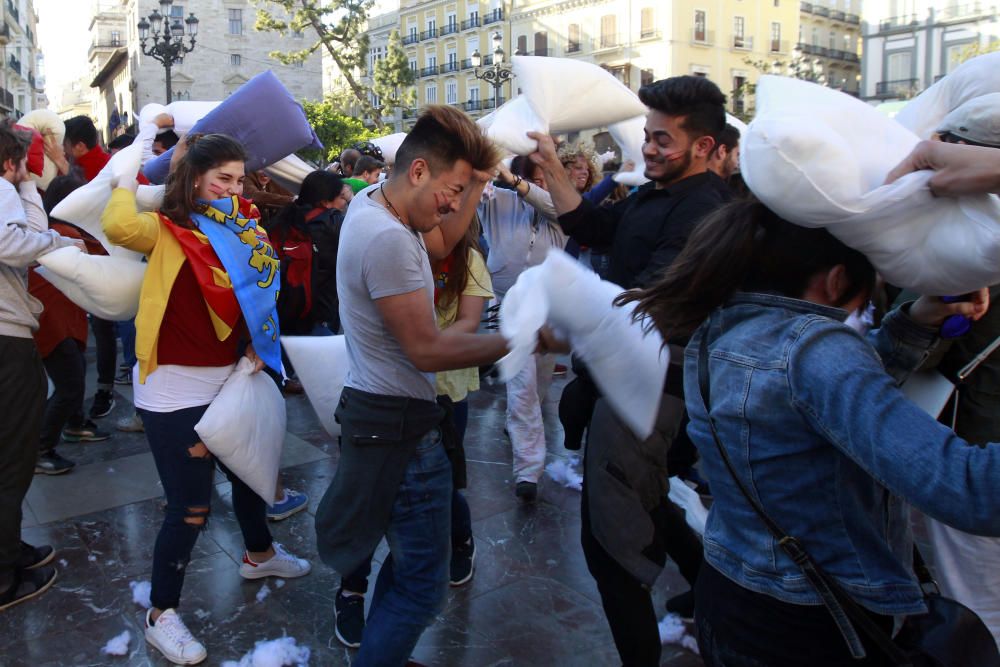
(209, 292)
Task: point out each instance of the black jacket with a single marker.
(647, 230)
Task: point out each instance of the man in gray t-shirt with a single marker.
(394, 478)
(380, 257)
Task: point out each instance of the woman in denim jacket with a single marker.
(811, 415)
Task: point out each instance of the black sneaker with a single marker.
(526, 491)
(86, 432)
(51, 463)
(27, 584)
(682, 605)
(350, 619)
(463, 563)
(104, 403)
(32, 558)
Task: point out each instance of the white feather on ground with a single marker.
(282, 652)
(263, 593)
(118, 645)
(140, 593)
(562, 472)
(673, 631)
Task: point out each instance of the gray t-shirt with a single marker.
(380, 257)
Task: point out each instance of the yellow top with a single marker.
(125, 226)
(457, 384)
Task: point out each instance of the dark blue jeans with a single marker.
(126, 331)
(413, 581)
(187, 483)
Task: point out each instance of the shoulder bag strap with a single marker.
(841, 606)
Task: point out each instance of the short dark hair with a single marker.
(120, 142)
(167, 139)
(349, 157)
(81, 129)
(13, 143)
(697, 99)
(59, 189)
(442, 136)
(367, 163)
(729, 137)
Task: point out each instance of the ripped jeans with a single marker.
(187, 473)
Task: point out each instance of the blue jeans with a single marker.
(126, 331)
(412, 584)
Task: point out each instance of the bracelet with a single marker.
(517, 183)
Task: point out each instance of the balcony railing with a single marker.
(466, 63)
(13, 12)
(6, 99)
(450, 67)
(837, 15)
(778, 46)
(806, 7)
(702, 37)
(493, 103)
(897, 22)
(493, 17)
(411, 38)
(607, 41)
(852, 18)
(540, 52)
(820, 10)
(428, 34)
(31, 80)
(965, 11)
(4, 33)
(469, 24)
(742, 43)
(449, 29)
(430, 70)
(897, 88)
(573, 47)
(649, 34)
(15, 64)
(473, 105)
(844, 55)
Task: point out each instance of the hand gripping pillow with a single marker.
(628, 364)
(509, 125)
(973, 78)
(262, 115)
(245, 428)
(818, 158)
(105, 286)
(83, 207)
(321, 365)
(48, 124)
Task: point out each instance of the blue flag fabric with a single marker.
(252, 266)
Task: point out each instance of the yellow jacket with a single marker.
(125, 226)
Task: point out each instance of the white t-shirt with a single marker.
(380, 257)
(171, 387)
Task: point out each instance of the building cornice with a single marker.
(117, 58)
(557, 8)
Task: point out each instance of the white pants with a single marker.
(968, 569)
(525, 395)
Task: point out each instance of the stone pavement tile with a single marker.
(297, 451)
(297, 533)
(93, 487)
(311, 478)
(80, 645)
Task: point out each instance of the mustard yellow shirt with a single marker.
(458, 383)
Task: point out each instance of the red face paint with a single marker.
(215, 189)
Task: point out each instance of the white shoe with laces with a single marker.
(282, 564)
(172, 638)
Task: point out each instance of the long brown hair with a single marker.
(743, 246)
(458, 269)
(204, 152)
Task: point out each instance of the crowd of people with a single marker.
(773, 406)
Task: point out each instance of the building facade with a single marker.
(20, 90)
(910, 44)
(228, 53)
(829, 42)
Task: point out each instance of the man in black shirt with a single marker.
(628, 524)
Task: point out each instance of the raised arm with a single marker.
(441, 240)
(125, 226)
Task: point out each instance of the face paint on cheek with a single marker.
(676, 155)
(216, 189)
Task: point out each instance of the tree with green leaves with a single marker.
(393, 78)
(339, 26)
(336, 129)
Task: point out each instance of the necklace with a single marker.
(392, 209)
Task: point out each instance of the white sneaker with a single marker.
(282, 564)
(171, 637)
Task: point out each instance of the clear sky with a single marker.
(64, 39)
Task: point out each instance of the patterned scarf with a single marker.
(237, 270)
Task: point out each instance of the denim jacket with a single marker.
(811, 416)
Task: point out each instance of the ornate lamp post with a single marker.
(167, 36)
(497, 73)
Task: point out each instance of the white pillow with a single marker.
(818, 158)
(389, 145)
(106, 286)
(83, 207)
(185, 114)
(245, 428)
(628, 364)
(973, 78)
(289, 172)
(320, 363)
(629, 135)
(559, 96)
(47, 123)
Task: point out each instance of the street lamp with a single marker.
(497, 73)
(167, 34)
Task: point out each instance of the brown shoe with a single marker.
(293, 386)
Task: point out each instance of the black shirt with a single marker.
(647, 230)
